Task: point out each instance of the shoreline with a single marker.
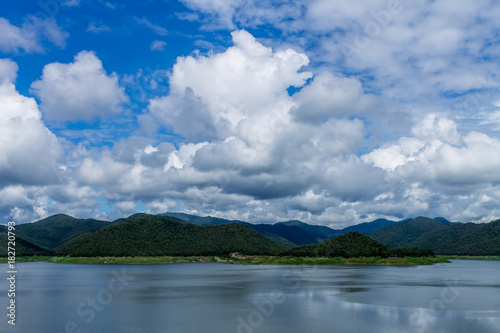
(494, 257)
(244, 260)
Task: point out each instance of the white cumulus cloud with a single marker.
(28, 150)
(215, 96)
(81, 90)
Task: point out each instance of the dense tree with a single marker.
(22, 247)
(453, 239)
(353, 244)
(159, 236)
(56, 230)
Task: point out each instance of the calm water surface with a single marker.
(208, 297)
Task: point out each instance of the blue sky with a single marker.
(324, 111)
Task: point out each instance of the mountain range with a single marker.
(63, 234)
(291, 233)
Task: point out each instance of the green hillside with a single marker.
(281, 241)
(142, 234)
(351, 245)
(482, 239)
(56, 230)
(452, 239)
(452, 233)
(160, 236)
(23, 248)
(404, 235)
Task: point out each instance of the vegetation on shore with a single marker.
(390, 261)
(246, 260)
(261, 260)
(129, 260)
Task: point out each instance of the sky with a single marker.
(327, 111)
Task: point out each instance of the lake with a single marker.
(463, 296)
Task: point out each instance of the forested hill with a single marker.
(482, 240)
(22, 247)
(56, 230)
(403, 235)
(351, 245)
(160, 236)
(454, 239)
(438, 234)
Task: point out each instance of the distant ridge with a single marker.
(290, 233)
(198, 220)
(319, 232)
(445, 221)
(370, 227)
(55, 230)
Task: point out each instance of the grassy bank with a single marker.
(472, 257)
(407, 261)
(246, 260)
(129, 260)
(26, 259)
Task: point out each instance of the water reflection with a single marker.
(231, 298)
